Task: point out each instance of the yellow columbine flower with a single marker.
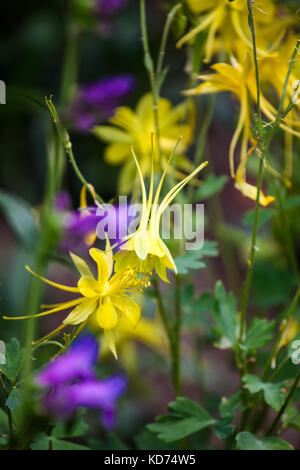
(230, 19)
(145, 250)
(134, 128)
(106, 298)
(239, 79)
(273, 72)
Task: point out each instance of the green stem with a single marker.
(273, 426)
(176, 367)
(46, 343)
(155, 74)
(162, 311)
(65, 140)
(252, 28)
(162, 50)
(245, 295)
(150, 68)
(8, 411)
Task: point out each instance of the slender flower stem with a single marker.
(65, 140)
(273, 426)
(162, 311)
(155, 74)
(246, 290)
(177, 336)
(150, 68)
(162, 50)
(260, 153)
(252, 28)
(9, 416)
(88, 186)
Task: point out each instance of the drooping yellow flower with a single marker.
(273, 72)
(239, 79)
(230, 19)
(108, 298)
(134, 128)
(144, 250)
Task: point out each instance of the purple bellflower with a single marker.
(71, 383)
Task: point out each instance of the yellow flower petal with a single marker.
(81, 265)
(107, 316)
(110, 336)
(81, 312)
(142, 244)
(116, 153)
(250, 191)
(87, 286)
(102, 264)
(51, 283)
(161, 269)
(129, 308)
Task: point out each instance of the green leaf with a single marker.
(191, 260)
(210, 186)
(14, 360)
(291, 418)
(225, 313)
(44, 442)
(146, 440)
(14, 399)
(263, 217)
(3, 421)
(272, 285)
(57, 444)
(223, 428)
(185, 418)
(41, 442)
(76, 428)
(272, 392)
(111, 134)
(195, 307)
(3, 441)
(247, 441)
(292, 202)
(111, 443)
(228, 408)
(20, 217)
(259, 333)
